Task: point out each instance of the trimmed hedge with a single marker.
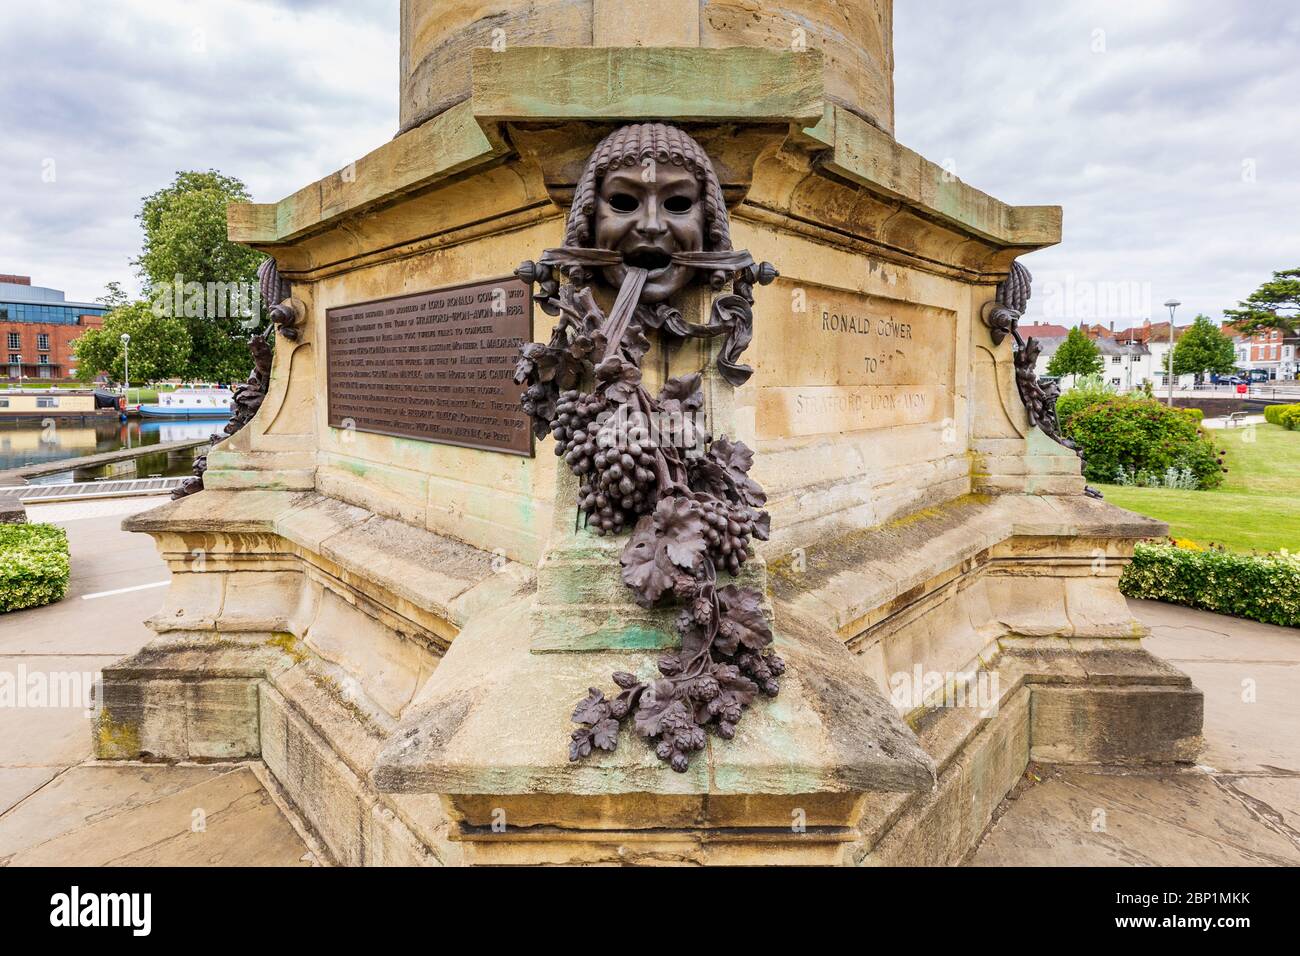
(1273, 414)
(33, 565)
(1261, 587)
(1195, 414)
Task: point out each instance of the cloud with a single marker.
(1166, 130)
(102, 104)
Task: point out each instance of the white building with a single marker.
(1126, 366)
(1158, 350)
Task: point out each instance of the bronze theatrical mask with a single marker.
(647, 215)
(648, 220)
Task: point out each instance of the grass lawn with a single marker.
(1256, 509)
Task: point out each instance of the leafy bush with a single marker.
(1179, 478)
(1194, 413)
(1290, 418)
(1088, 390)
(1273, 413)
(1262, 587)
(1139, 435)
(33, 565)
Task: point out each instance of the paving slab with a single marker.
(1253, 712)
(52, 730)
(1278, 799)
(18, 783)
(111, 625)
(141, 815)
(103, 558)
(1239, 806)
(91, 793)
(1250, 675)
(1082, 818)
(1185, 634)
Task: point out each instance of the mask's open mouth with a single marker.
(651, 260)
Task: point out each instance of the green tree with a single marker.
(1274, 305)
(1203, 348)
(1077, 355)
(114, 295)
(185, 240)
(160, 346)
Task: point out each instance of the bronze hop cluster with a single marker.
(689, 503)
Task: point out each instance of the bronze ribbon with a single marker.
(624, 307)
(732, 260)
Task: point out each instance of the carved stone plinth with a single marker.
(399, 629)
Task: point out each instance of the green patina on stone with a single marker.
(627, 637)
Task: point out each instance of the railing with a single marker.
(85, 490)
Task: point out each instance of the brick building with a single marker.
(1271, 353)
(37, 329)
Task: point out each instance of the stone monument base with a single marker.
(317, 637)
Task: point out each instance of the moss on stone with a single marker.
(289, 644)
(116, 741)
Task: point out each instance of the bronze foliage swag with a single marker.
(648, 220)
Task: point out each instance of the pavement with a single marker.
(1239, 806)
(1224, 421)
(58, 806)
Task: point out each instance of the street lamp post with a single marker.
(1169, 367)
(126, 367)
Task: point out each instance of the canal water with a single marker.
(33, 443)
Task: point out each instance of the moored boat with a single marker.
(190, 403)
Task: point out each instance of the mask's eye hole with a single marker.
(623, 202)
(678, 204)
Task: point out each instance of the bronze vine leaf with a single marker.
(618, 377)
(709, 478)
(657, 705)
(583, 347)
(734, 455)
(682, 393)
(736, 458)
(605, 734)
(538, 362)
(736, 687)
(680, 526)
(635, 343)
(642, 571)
(741, 622)
(592, 709)
(526, 364)
(580, 743)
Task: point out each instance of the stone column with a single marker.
(854, 36)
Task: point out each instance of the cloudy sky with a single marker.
(1168, 129)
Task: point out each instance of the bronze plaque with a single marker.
(437, 366)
